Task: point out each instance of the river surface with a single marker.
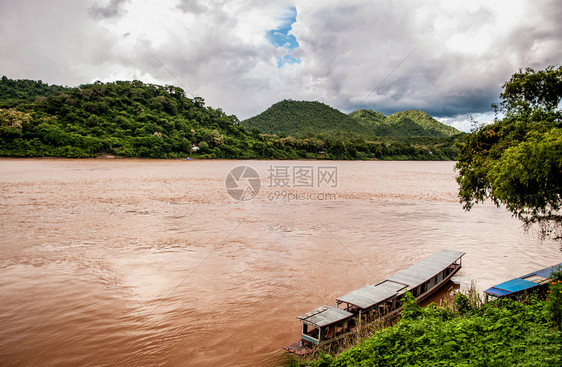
(153, 263)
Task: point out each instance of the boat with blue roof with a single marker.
(535, 282)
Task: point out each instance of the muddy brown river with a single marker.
(153, 263)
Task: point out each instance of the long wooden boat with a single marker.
(535, 282)
(327, 323)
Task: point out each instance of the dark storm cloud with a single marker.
(191, 6)
(111, 10)
(55, 41)
(462, 55)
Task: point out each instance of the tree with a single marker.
(517, 160)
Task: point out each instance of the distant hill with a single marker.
(303, 118)
(136, 119)
(300, 118)
(405, 124)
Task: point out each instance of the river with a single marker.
(152, 262)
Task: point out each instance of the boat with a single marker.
(327, 324)
(535, 282)
(321, 326)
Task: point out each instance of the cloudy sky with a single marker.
(448, 58)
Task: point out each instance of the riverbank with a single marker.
(469, 333)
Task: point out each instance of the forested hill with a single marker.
(302, 118)
(136, 119)
(404, 124)
(123, 118)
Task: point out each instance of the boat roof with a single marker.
(544, 273)
(370, 295)
(511, 286)
(426, 269)
(324, 316)
(526, 282)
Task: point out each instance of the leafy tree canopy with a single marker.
(517, 160)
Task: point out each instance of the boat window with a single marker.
(313, 332)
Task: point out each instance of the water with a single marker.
(149, 262)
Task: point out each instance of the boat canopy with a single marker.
(524, 283)
(426, 269)
(511, 286)
(325, 316)
(396, 284)
(544, 273)
(370, 295)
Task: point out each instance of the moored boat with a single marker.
(327, 324)
(535, 282)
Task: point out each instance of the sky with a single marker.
(447, 58)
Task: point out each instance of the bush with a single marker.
(554, 299)
(494, 334)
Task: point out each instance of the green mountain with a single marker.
(304, 118)
(405, 124)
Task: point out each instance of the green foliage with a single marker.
(530, 91)
(410, 308)
(462, 304)
(554, 299)
(504, 334)
(204, 146)
(12, 91)
(302, 118)
(135, 119)
(129, 119)
(517, 161)
(405, 124)
(359, 135)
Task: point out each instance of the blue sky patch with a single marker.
(287, 59)
(280, 37)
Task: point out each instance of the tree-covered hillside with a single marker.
(124, 118)
(305, 118)
(405, 124)
(136, 119)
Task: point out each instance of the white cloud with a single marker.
(464, 51)
(468, 122)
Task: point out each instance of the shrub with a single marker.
(554, 299)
